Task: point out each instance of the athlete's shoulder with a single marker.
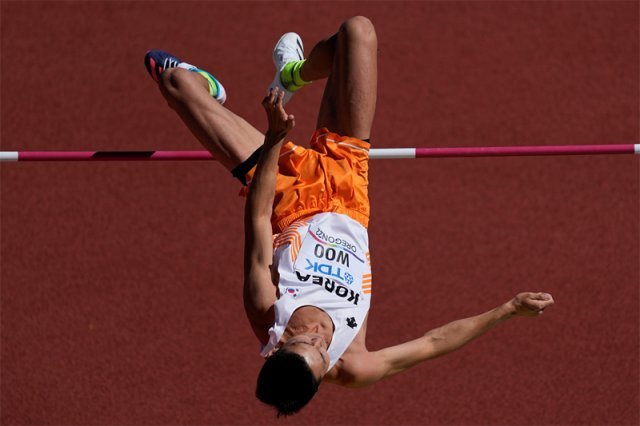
(352, 367)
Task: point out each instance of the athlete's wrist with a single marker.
(508, 309)
(274, 139)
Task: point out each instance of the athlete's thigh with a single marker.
(229, 137)
(349, 101)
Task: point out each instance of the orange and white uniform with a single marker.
(321, 246)
(323, 261)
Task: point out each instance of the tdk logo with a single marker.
(324, 269)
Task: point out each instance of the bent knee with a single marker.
(358, 28)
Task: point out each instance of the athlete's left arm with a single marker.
(374, 366)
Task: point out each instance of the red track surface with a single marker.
(121, 299)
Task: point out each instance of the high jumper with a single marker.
(307, 268)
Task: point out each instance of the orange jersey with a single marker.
(331, 176)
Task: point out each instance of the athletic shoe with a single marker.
(156, 61)
(289, 48)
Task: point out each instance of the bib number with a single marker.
(331, 255)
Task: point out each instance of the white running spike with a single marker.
(288, 49)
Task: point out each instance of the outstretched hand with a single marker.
(531, 304)
(280, 123)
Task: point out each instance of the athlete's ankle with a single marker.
(290, 76)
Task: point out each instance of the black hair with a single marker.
(286, 382)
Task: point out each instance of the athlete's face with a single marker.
(313, 348)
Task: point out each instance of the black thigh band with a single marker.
(241, 170)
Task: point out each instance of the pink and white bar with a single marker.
(374, 153)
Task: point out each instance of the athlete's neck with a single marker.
(309, 319)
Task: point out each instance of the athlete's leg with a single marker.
(349, 100)
(227, 136)
(319, 63)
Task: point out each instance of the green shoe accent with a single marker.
(290, 76)
(213, 84)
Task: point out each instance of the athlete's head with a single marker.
(290, 376)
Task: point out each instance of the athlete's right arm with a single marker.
(259, 290)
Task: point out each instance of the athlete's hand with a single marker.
(280, 123)
(531, 304)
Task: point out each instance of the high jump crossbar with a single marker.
(374, 153)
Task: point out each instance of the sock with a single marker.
(213, 84)
(290, 76)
